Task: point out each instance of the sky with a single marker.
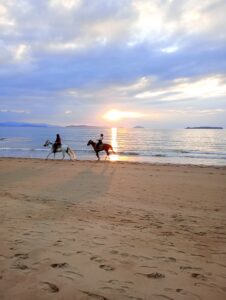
(153, 63)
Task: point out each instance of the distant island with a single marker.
(204, 127)
(24, 124)
(138, 127)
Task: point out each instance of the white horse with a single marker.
(63, 148)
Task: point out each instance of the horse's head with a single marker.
(47, 143)
(89, 142)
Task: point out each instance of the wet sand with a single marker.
(111, 230)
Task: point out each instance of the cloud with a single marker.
(72, 55)
(191, 89)
(67, 112)
(21, 52)
(16, 111)
(65, 4)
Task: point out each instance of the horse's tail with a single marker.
(112, 150)
(71, 153)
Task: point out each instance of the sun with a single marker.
(113, 115)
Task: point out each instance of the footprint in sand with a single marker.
(209, 285)
(114, 252)
(95, 296)
(22, 255)
(51, 287)
(118, 282)
(59, 265)
(18, 241)
(163, 297)
(154, 275)
(97, 259)
(58, 243)
(74, 273)
(107, 267)
(198, 275)
(20, 266)
(189, 268)
(120, 290)
(189, 294)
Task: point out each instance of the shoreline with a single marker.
(113, 162)
(91, 230)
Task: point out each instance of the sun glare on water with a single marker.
(114, 143)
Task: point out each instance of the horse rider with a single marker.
(100, 141)
(57, 144)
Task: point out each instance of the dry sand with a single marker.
(111, 230)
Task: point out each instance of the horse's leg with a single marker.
(73, 155)
(97, 154)
(49, 155)
(113, 150)
(70, 153)
(63, 153)
(106, 155)
(107, 152)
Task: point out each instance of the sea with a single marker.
(182, 146)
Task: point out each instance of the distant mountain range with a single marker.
(24, 124)
(204, 127)
(27, 124)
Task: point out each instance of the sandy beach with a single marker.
(111, 230)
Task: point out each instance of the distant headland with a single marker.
(45, 125)
(204, 127)
(24, 124)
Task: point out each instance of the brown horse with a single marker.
(103, 147)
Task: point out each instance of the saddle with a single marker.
(99, 147)
(56, 148)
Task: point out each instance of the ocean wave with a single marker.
(181, 151)
(22, 149)
(15, 139)
(206, 156)
(128, 153)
